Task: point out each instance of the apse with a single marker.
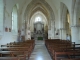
(40, 19)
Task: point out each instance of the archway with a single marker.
(39, 5)
(65, 30)
(14, 20)
(39, 25)
(75, 27)
(68, 29)
(1, 16)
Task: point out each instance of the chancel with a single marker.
(39, 26)
(39, 29)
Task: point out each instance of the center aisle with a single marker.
(40, 52)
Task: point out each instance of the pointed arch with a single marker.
(43, 20)
(39, 5)
(63, 17)
(15, 19)
(65, 21)
(1, 16)
(77, 13)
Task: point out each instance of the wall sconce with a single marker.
(57, 32)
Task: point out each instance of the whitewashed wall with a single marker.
(55, 5)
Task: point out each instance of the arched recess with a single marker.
(43, 20)
(39, 5)
(76, 21)
(65, 23)
(1, 16)
(39, 9)
(38, 18)
(77, 12)
(15, 20)
(36, 5)
(73, 7)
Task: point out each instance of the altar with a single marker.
(39, 30)
(40, 38)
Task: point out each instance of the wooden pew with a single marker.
(22, 54)
(64, 51)
(14, 49)
(61, 47)
(72, 59)
(29, 49)
(11, 58)
(69, 54)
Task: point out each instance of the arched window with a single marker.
(14, 20)
(38, 19)
(1, 16)
(68, 18)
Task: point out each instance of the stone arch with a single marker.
(64, 21)
(76, 16)
(42, 15)
(39, 5)
(63, 13)
(39, 9)
(76, 12)
(14, 20)
(72, 11)
(1, 16)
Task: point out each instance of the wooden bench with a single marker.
(17, 51)
(10, 58)
(61, 47)
(20, 54)
(68, 54)
(72, 59)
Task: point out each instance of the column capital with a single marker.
(62, 29)
(75, 26)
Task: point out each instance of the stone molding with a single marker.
(75, 26)
(62, 29)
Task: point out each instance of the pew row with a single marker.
(62, 49)
(17, 51)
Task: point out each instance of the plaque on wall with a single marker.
(6, 29)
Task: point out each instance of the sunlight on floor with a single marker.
(40, 52)
(39, 58)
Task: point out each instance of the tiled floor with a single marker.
(40, 52)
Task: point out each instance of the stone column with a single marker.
(49, 34)
(63, 33)
(27, 29)
(26, 35)
(49, 28)
(75, 32)
(52, 29)
(52, 33)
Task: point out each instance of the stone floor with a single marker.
(40, 52)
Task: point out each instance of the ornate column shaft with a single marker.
(52, 29)
(28, 32)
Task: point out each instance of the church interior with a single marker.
(39, 29)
